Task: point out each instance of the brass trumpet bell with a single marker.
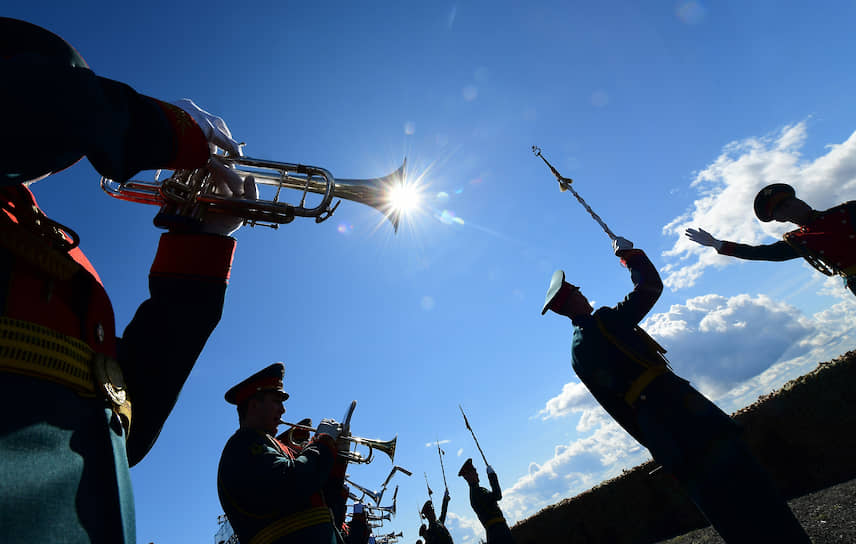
(387, 447)
(192, 194)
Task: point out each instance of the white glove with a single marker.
(490, 470)
(230, 184)
(214, 128)
(704, 238)
(329, 427)
(621, 244)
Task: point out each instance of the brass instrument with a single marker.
(353, 456)
(190, 194)
(388, 509)
(365, 491)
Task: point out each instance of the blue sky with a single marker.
(667, 115)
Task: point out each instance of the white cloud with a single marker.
(573, 398)
(466, 529)
(727, 187)
(573, 468)
(718, 342)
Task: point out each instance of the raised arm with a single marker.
(647, 285)
(445, 508)
(495, 491)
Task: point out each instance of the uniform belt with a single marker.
(39, 352)
(493, 521)
(305, 518)
(640, 383)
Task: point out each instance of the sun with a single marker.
(404, 198)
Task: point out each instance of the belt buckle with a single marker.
(109, 378)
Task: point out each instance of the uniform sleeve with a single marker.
(647, 287)
(335, 493)
(780, 251)
(160, 345)
(56, 114)
(495, 491)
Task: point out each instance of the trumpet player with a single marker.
(484, 503)
(358, 530)
(58, 340)
(270, 494)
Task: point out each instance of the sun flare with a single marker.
(405, 198)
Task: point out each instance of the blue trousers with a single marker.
(701, 446)
(64, 469)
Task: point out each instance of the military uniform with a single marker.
(63, 451)
(686, 433)
(436, 532)
(827, 242)
(273, 495)
(485, 506)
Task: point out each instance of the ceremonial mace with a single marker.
(442, 468)
(565, 185)
(467, 423)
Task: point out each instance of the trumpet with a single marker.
(191, 194)
(365, 491)
(353, 456)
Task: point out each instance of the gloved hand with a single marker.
(490, 470)
(329, 427)
(704, 238)
(227, 183)
(214, 128)
(446, 496)
(621, 244)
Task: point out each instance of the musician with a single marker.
(686, 433)
(436, 532)
(359, 531)
(484, 503)
(65, 445)
(826, 239)
(269, 493)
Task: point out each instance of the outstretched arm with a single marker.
(779, 251)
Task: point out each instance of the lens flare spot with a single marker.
(449, 218)
(410, 128)
(470, 93)
(459, 190)
(427, 303)
(443, 195)
(344, 228)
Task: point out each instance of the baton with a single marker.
(467, 423)
(565, 185)
(442, 468)
(430, 493)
